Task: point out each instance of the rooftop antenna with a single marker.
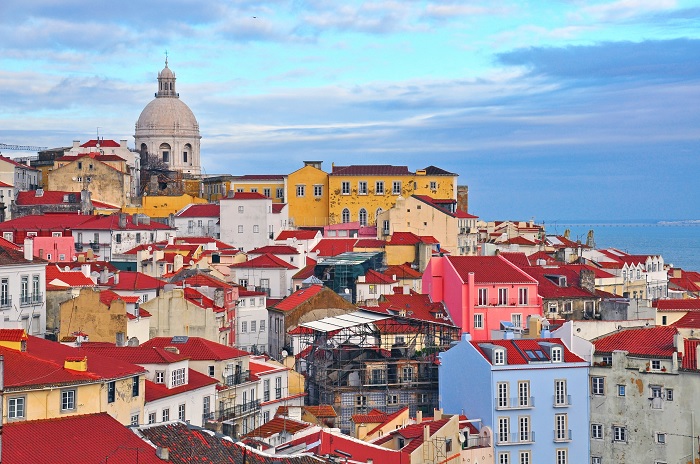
(166, 58)
(98, 136)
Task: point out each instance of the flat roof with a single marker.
(343, 321)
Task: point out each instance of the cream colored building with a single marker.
(168, 128)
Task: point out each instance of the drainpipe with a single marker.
(2, 390)
(692, 433)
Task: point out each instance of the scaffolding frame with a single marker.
(386, 364)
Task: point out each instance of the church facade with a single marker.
(168, 129)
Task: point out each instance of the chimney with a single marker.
(463, 198)
(85, 269)
(426, 433)
(171, 240)
(361, 431)
(163, 453)
(679, 344)
(122, 221)
(122, 143)
(419, 416)
(172, 349)
(76, 143)
(294, 412)
(103, 275)
(178, 261)
(121, 340)
(116, 278)
(29, 249)
(468, 301)
(437, 414)
(135, 219)
(697, 356)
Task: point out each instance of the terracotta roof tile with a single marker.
(488, 269)
(277, 425)
(516, 350)
(135, 354)
(650, 342)
(690, 358)
(374, 277)
(275, 250)
(298, 297)
(266, 261)
(678, 304)
(195, 381)
(198, 349)
(329, 247)
(298, 234)
(371, 170)
(200, 210)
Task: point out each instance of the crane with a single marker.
(4, 146)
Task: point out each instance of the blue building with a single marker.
(532, 393)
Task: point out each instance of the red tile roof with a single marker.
(59, 279)
(246, 196)
(389, 418)
(516, 350)
(108, 296)
(198, 349)
(416, 306)
(52, 197)
(105, 143)
(519, 241)
(549, 290)
(275, 250)
(278, 207)
(649, 342)
(322, 410)
(684, 283)
(200, 210)
(305, 272)
(13, 335)
(691, 320)
(94, 155)
(370, 170)
(374, 277)
(260, 177)
(266, 261)
(195, 381)
(298, 234)
(83, 439)
(677, 304)
(541, 255)
(329, 247)
(15, 163)
(370, 243)
(409, 238)
(277, 425)
(403, 271)
(375, 416)
(488, 269)
(130, 280)
(300, 296)
(517, 258)
(135, 354)
(690, 358)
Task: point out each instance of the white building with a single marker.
(198, 220)
(274, 389)
(266, 273)
(22, 290)
(251, 321)
(250, 220)
(19, 175)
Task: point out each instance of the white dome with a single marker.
(170, 115)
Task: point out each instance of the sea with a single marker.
(678, 241)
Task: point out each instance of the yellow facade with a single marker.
(363, 196)
(105, 182)
(308, 196)
(400, 254)
(88, 314)
(162, 206)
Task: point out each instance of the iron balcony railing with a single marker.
(30, 298)
(562, 435)
(239, 410)
(6, 302)
(515, 403)
(561, 401)
(238, 378)
(516, 438)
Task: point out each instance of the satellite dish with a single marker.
(191, 262)
(460, 438)
(284, 353)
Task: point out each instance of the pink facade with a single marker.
(54, 249)
(481, 291)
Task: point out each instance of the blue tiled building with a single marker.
(532, 393)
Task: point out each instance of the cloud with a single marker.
(625, 9)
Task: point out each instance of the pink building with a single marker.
(482, 291)
(54, 249)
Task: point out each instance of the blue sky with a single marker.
(547, 109)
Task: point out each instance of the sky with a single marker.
(552, 110)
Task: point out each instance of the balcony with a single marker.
(561, 401)
(517, 438)
(562, 435)
(31, 298)
(239, 410)
(6, 302)
(278, 393)
(527, 402)
(238, 378)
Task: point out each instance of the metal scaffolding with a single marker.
(362, 361)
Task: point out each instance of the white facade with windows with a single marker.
(251, 322)
(249, 221)
(22, 292)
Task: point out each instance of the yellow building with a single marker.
(162, 206)
(45, 379)
(308, 195)
(105, 176)
(269, 185)
(361, 192)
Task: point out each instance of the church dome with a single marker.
(169, 115)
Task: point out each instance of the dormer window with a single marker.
(499, 357)
(557, 354)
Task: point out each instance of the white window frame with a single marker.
(620, 433)
(557, 354)
(345, 187)
(598, 386)
(483, 297)
(478, 321)
(379, 187)
(301, 190)
(362, 187)
(597, 432)
(396, 187)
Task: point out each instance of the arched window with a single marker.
(363, 217)
(187, 151)
(165, 152)
(144, 149)
(346, 215)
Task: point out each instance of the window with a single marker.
(243, 282)
(499, 357)
(4, 293)
(379, 187)
(166, 414)
(111, 392)
(407, 372)
(669, 394)
(562, 456)
(597, 431)
(502, 296)
(134, 419)
(345, 188)
(522, 296)
(67, 400)
(15, 407)
(280, 192)
(160, 376)
(262, 325)
(206, 405)
(177, 377)
(524, 457)
(607, 360)
(253, 326)
(502, 394)
(135, 386)
(560, 396)
(211, 371)
(478, 321)
(278, 388)
(556, 354)
(244, 325)
(661, 438)
(240, 209)
(372, 289)
(396, 187)
(483, 297)
(362, 187)
(619, 433)
(181, 412)
(504, 458)
(151, 417)
(503, 429)
(523, 393)
(655, 364)
(620, 390)
(596, 460)
(360, 401)
(266, 390)
(118, 238)
(345, 215)
(254, 190)
(433, 185)
(24, 290)
(363, 217)
(266, 417)
(524, 428)
(318, 190)
(392, 399)
(266, 192)
(561, 427)
(517, 320)
(301, 190)
(240, 229)
(598, 385)
(256, 229)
